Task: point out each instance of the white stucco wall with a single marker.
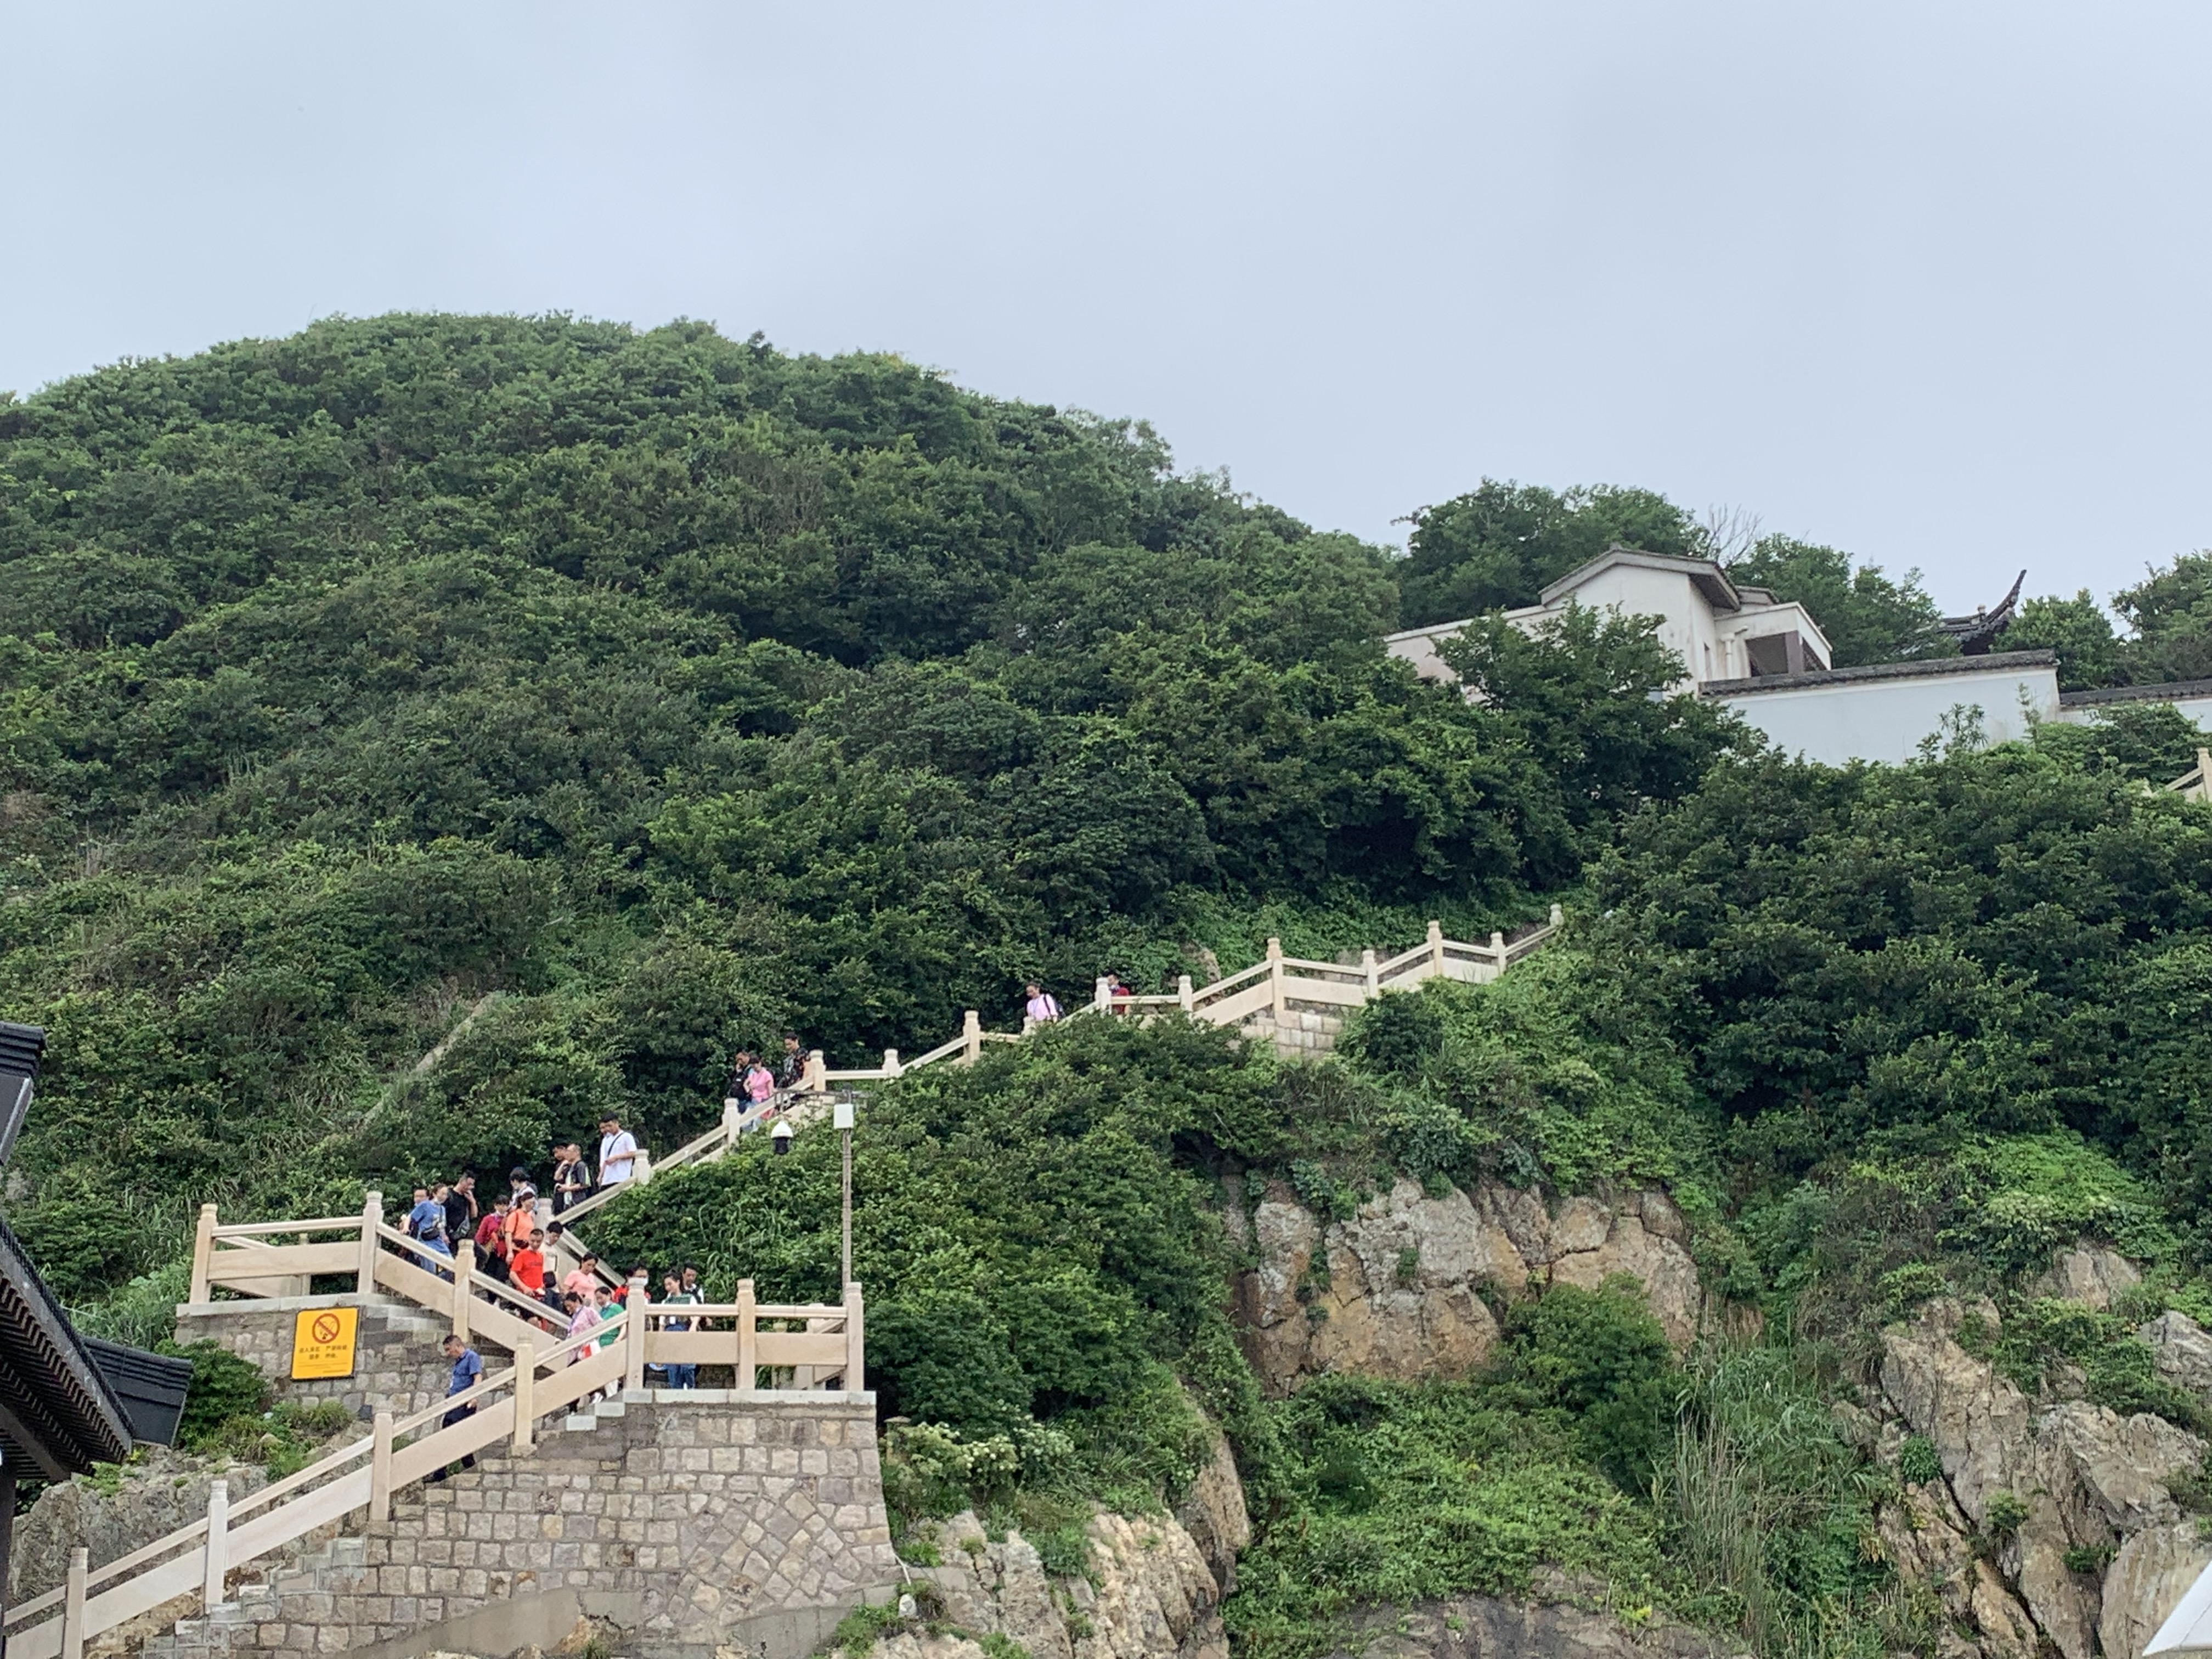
(1885, 720)
(1417, 645)
(2198, 710)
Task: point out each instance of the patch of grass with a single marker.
(857, 1631)
(1917, 1460)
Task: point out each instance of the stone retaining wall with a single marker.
(400, 1366)
(1307, 1031)
(694, 1521)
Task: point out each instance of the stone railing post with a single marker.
(634, 1334)
(372, 1218)
(1558, 915)
(216, 1558)
(640, 1169)
(733, 1113)
(817, 1079)
(891, 1066)
(1275, 978)
(1101, 998)
(1436, 947)
(380, 1469)
(526, 1394)
(748, 1337)
(203, 1249)
(1367, 967)
(465, 1264)
(1184, 995)
(854, 1341)
(80, 1568)
(971, 1039)
(1498, 948)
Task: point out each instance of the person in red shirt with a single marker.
(527, 1266)
(491, 1242)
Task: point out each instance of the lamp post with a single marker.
(841, 1116)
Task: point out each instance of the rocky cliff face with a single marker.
(2052, 1520)
(1483, 1627)
(1401, 1289)
(157, 1491)
(1147, 1593)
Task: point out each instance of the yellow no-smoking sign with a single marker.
(322, 1342)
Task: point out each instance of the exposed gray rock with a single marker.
(2181, 1349)
(157, 1491)
(1398, 1290)
(1927, 1538)
(1978, 1421)
(2085, 1477)
(1486, 1627)
(2147, 1578)
(1213, 1513)
(2089, 1274)
(1668, 1274)
(1148, 1595)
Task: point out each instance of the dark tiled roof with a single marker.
(1999, 662)
(2172, 691)
(57, 1414)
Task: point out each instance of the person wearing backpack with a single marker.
(571, 1179)
(1042, 1007)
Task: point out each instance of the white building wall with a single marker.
(2196, 709)
(1686, 622)
(1886, 720)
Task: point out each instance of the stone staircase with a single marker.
(691, 1521)
(392, 1579)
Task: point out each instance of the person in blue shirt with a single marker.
(425, 1222)
(468, 1371)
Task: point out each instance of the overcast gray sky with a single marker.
(1926, 281)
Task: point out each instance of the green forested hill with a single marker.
(422, 734)
(667, 691)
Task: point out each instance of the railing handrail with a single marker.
(336, 1464)
(231, 1231)
(1228, 982)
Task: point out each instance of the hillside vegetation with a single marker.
(420, 735)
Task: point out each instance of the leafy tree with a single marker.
(1868, 616)
(1586, 694)
(2089, 654)
(1497, 546)
(2171, 612)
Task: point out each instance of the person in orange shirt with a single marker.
(527, 1266)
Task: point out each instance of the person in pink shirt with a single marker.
(582, 1279)
(583, 1314)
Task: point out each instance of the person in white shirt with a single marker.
(1042, 1007)
(618, 1151)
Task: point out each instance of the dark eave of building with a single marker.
(58, 1416)
(2172, 691)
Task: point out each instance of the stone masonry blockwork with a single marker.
(692, 1521)
(398, 1363)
